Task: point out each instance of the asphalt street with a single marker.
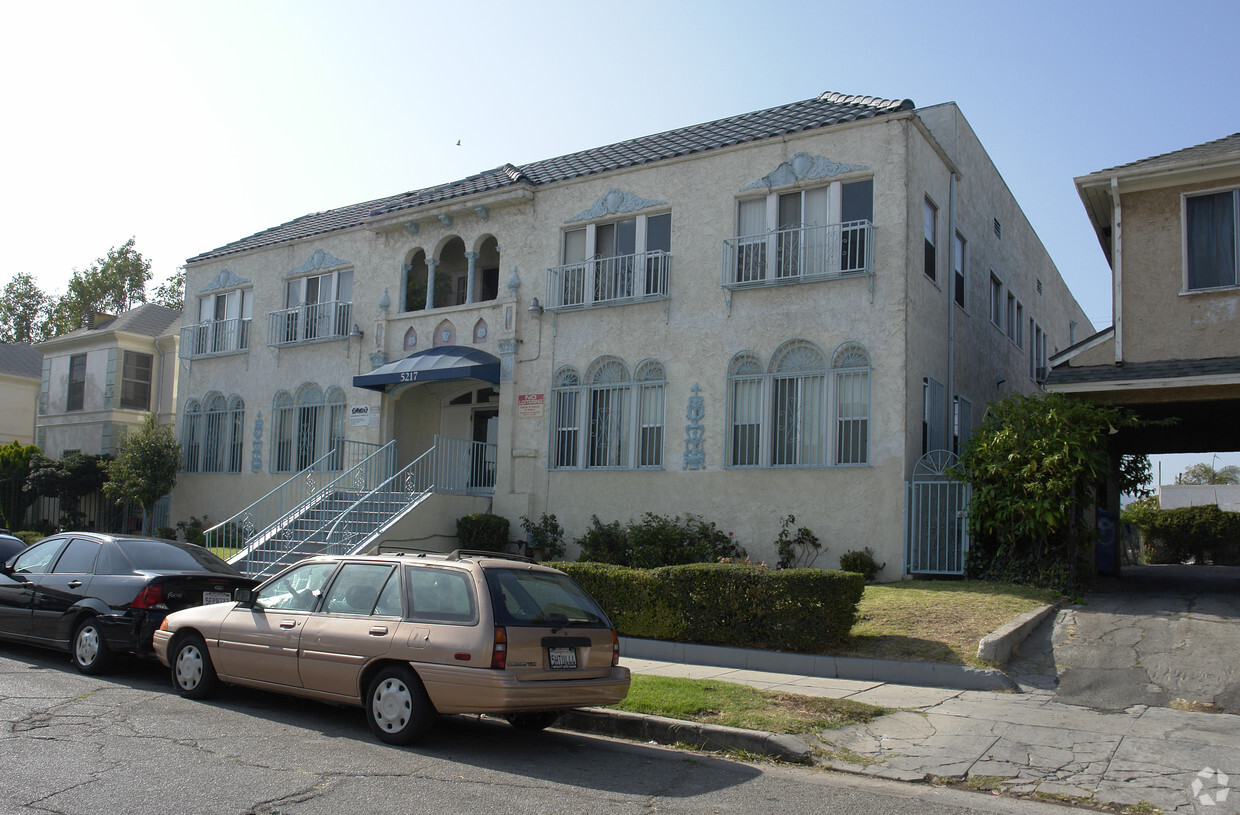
(126, 744)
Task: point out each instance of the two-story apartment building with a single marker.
(1168, 226)
(772, 314)
(20, 369)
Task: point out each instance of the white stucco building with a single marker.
(771, 314)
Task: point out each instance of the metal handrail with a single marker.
(215, 337)
(609, 281)
(313, 322)
(798, 254)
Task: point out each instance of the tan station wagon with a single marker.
(407, 637)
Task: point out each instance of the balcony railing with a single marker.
(609, 281)
(317, 322)
(799, 255)
(215, 337)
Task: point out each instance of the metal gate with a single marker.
(936, 517)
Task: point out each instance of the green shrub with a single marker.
(482, 531)
(546, 536)
(805, 610)
(799, 549)
(1202, 534)
(166, 532)
(193, 530)
(30, 536)
(657, 540)
(862, 562)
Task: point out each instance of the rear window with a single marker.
(156, 556)
(529, 598)
(440, 596)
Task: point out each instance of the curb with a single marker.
(997, 646)
(924, 674)
(640, 727)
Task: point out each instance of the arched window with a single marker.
(607, 395)
(651, 384)
(282, 424)
(565, 422)
(236, 432)
(798, 405)
(215, 431)
(336, 405)
(745, 380)
(851, 364)
(309, 424)
(191, 436)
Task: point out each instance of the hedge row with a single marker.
(1203, 534)
(805, 610)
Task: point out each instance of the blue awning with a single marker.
(447, 362)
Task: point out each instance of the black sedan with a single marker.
(10, 545)
(94, 595)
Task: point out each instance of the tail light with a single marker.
(499, 653)
(615, 648)
(150, 597)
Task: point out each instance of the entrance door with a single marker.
(482, 463)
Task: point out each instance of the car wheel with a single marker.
(192, 671)
(91, 654)
(397, 707)
(533, 721)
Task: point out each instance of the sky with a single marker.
(188, 125)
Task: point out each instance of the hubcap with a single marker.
(87, 646)
(391, 705)
(189, 667)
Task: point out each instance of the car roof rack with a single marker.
(458, 554)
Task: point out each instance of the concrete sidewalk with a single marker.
(1025, 743)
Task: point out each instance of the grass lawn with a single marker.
(935, 620)
(726, 703)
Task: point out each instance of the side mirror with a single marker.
(5, 568)
(244, 597)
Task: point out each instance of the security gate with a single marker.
(936, 522)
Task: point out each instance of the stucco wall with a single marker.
(19, 399)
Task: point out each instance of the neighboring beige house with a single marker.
(772, 314)
(99, 380)
(1168, 226)
(21, 369)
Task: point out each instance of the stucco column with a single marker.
(431, 263)
(472, 257)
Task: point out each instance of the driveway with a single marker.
(1164, 636)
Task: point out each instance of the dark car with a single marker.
(10, 545)
(94, 595)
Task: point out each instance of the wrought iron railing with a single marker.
(248, 528)
(316, 322)
(799, 255)
(214, 337)
(609, 281)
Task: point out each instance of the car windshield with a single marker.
(160, 556)
(534, 598)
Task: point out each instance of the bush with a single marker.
(863, 563)
(482, 531)
(166, 532)
(30, 536)
(799, 549)
(805, 610)
(1202, 534)
(193, 529)
(657, 540)
(546, 536)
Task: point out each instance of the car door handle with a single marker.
(378, 630)
(73, 584)
(288, 623)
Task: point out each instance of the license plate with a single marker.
(563, 659)
(210, 597)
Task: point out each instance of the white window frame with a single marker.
(594, 274)
(223, 326)
(1235, 239)
(607, 419)
(305, 428)
(213, 434)
(131, 383)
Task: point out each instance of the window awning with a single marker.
(446, 362)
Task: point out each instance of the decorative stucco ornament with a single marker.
(385, 302)
(446, 220)
(318, 260)
(256, 453)
(483, 213)
(613, 203)
(800, 167)
(378, 358)
(411, 227)
(514, 281)
(695, 455)
(224, 280)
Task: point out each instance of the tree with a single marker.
(1034, 466)
(1202, 473)
(25, 311)
(69, 479)
(171, 293)
(145, 467)
(15, 461)
(112, 284)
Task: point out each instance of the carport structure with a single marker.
(1168, 226)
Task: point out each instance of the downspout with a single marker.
(1117, 271)
(950, 396)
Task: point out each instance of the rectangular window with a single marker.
(76, 396)
(852, 416)
(958, 271)
(607, 443)
(614, 262)
(1013, 327)
(136, 382)
(751, 249)
(1020, 321)
(650, 425)
(746, 396)
(932, 437)
(962, 424)
(856, 214)
(996, 301)
(316, 307)
(930, 216)
(1210, 243)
